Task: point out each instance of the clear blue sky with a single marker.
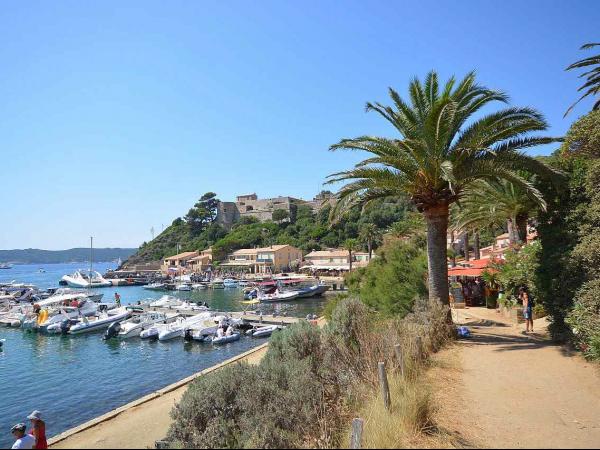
(116, 116)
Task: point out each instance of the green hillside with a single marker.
(36, 256)
(198, 230)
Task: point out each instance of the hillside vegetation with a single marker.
(308, 231)
(36, 256)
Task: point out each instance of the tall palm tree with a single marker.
(493, 202)
(350, 245)
(438, 154)
(592, 76)
(369, 234)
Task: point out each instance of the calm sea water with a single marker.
(74, 379)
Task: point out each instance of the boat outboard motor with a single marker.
(187, 335)
(112, 331)
(65, 326)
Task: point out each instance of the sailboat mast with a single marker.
(91, 261)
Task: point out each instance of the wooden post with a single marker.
(357, 430)
(400, 358)
(419, 348)
(385, 388)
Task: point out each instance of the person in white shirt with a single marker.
(22, 440)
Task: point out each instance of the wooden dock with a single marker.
(254, 319)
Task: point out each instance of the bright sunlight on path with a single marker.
(523, 391)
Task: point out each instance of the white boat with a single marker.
(137, 324)
(51, 312)
(217, 283)
(5, 266)
(166, 301)
(102, 322)
(230, 283)
(177, 328)
(199, 286)
(226, 339)
(86, 279)
(278, 296)
(156, 286)
(183, 287)
(262, 331)
(169, 302)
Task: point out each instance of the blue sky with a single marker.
(116, 116)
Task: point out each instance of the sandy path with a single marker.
(525, 392)
(137, 427)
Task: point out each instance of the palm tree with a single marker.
(370, 235)
(439, 154)
(592, 76)
(488, 203)
(350, 245)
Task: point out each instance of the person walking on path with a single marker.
(527, 300)
(23, 440)
(38, 430)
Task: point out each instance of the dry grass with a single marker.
(424, 408)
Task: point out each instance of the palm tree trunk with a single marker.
(453, 249)
(350, 260)
(476, 246)
(466, 245)
(437, 258)
(511, 231)
(370, 245)
(521, 228)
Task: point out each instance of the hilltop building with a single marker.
(228, 213)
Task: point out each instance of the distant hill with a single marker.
(36, 256)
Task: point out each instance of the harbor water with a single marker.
(74, 379)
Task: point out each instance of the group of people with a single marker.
(35, 438)
(224, 329)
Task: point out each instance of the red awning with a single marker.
(462, 272)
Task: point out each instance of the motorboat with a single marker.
(262, 331)
(230, 283)
(52, 311)
(169, 302)
(13, 318)
(221, 340)
(312, 291)
(217, 283)
(278, 296)
(183, 287)
(166, 301)
(86, 279)
(199, 286)
(137, 324)
(5, 266)
(156, 286)
(101, 322)
(177, 329)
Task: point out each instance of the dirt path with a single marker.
(524, 392)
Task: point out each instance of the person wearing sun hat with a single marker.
(38, 430)
(23, 440)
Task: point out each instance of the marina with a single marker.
(102, 375)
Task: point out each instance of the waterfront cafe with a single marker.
(466, 284)
(333, 262)
(266, 260)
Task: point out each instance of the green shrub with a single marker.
(584, 319)
(391, 283)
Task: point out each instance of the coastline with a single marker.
(140, 423)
